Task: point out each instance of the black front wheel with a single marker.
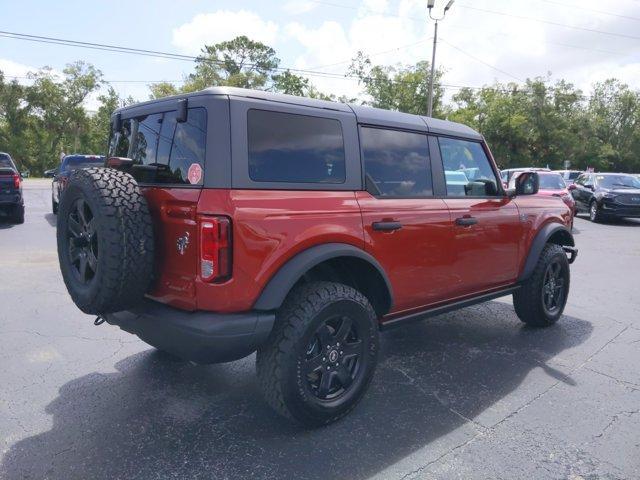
(541, 299)
(321, 355)
(594, 212)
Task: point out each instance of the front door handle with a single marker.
(386, 226)
(466, 221)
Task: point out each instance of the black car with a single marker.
(607, 195)
(11, 201)
(61, 174)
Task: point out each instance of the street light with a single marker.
(430, 5)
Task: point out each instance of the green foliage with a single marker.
(403, 88)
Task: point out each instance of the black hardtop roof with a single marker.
(365, 115)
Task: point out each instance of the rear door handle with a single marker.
(466, 221)
(386, 226)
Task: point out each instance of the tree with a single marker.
(240, 62)
(403, 88)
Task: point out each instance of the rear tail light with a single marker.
(215, 249)
(16, 180)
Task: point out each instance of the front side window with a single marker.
(396, 163)
(291, 148)
(468, 171)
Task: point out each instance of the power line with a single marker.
(586, 9)
(481, 61)
(549, 22)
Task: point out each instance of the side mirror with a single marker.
(49, 173)
(573, 186)
(527, 183)
(590, 187)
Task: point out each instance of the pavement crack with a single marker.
(412, 381)
(614, 419)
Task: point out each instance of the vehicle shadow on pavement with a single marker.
(162, 418)
(51, 219)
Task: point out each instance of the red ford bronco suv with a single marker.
(230, 221)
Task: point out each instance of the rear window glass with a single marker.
(291, 148)
(396, 163)
(5, 161)
(72, 162)
(163, 150)
(551, 181)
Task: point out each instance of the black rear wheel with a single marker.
(18, 214)
(321, 354)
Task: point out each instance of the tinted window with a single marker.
(6, 162)
(162, 149)
(291, 148)
(467, 157)
(396, 163)
(72, 162)
(551, 181)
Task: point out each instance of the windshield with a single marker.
(78, 161)
(5, 162)
(551, 181)
(617, 181)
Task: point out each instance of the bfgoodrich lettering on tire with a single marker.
(321, 354)
(105, 240)
(541, 300)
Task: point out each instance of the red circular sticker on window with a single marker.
(195, 173)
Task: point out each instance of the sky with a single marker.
(480, 41)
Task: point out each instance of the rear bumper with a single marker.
(202, 337)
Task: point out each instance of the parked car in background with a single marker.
(607, 195)
(507, 173)
(11, 201)
(553, 185)
(569, 176)
(61, 174)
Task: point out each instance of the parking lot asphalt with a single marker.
(466, 395)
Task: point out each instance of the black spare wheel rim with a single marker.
(82, 242)
(334, 357)
(554, 287)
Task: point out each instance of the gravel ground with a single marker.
(471, 394)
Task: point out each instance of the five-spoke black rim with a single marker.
(553, 288)
(333, 358)
(83, 241)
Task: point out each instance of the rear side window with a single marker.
(6, 162)
(163, 150)
(396, 163)
(291, 148)
(467, 169)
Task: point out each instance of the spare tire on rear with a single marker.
(105, 240)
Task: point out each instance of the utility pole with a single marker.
(430, 5)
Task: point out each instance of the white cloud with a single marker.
(298, 7)
(12, 69)
(210, 28)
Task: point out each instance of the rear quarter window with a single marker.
(293, 148)
(163, 149)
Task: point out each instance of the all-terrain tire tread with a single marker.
(291, 321)
(527, 299)
(127, 232)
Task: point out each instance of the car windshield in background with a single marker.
(617, 181)
(5, 162)
(80, 161)
(551, 182)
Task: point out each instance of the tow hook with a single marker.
(99, 320)
(572, 252)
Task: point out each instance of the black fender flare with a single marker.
(278, 287)
(554, 232)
